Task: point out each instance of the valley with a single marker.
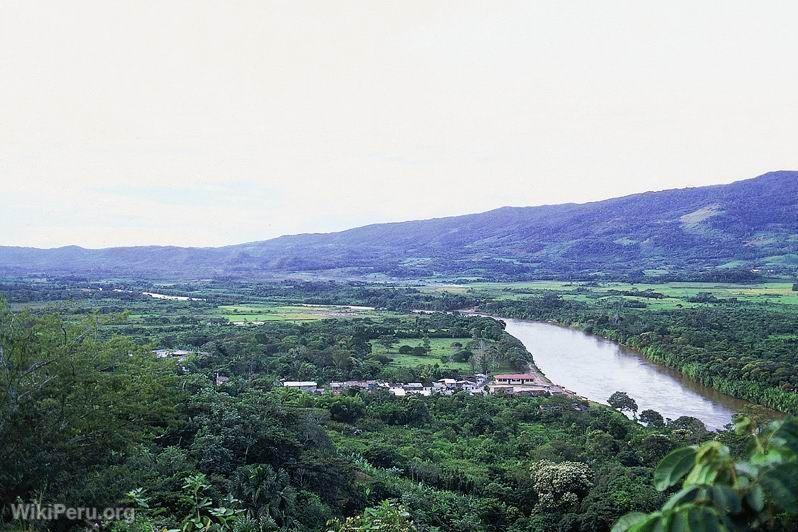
(400, 371)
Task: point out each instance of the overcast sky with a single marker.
(208, 123)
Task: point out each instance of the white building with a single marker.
(304, 386)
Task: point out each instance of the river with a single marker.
(595, 368)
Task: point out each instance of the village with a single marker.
(510, 384)
(515, 384)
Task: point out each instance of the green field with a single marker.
(255, 313)
(676, 294)
(438, 348)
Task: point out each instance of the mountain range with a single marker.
(719, 231)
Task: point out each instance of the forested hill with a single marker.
(721, 231)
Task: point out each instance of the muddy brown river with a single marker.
(595, 368)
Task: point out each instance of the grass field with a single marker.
(676, 294)
(255, 313)
(438, 348)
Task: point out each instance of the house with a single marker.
(506, 389)
(338, 388)
(220, 379)
(304, 386)
(416, 388)
(518, 379)
(179, 354)
(471, 386)
(519, 384)
(525, 384)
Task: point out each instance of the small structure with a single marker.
(520, 384)
(220, 379)
(179, 354)
(337, 388)
(518, 379)
(304, 386)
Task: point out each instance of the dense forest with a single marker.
(92, 420)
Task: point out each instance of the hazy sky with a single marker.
(207, 123)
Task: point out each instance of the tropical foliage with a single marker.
(721, 493)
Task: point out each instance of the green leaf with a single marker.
(673, 467)
(756, 498)
(743, 425)
(685, 495)
(726, 499)
(787, 435)
(628, 520)
(772, 456)
(702, 474)
(781, 485)
(679, 522)
(703, 519)
(685, 518)
(744, 468)
(652, 523)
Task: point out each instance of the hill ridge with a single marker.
(744, 225)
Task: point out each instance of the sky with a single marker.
(209, 123)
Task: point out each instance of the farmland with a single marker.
(654, 296)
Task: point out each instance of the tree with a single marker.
(461, 356)
(719, 493)
(72, 402)
(342, 359)
(405, 349)
(688, 427)
(621, 401)
(653, 447)
(265, 493)
(652, 418)
(387, 340)
(484, 357)
(346, 409)
(388, 516)
(559, 485)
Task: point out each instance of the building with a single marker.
(304, 386)
(520, 384)
(179, 354)
(523, 379)
(337, 388)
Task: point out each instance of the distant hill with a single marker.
(720, 232)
